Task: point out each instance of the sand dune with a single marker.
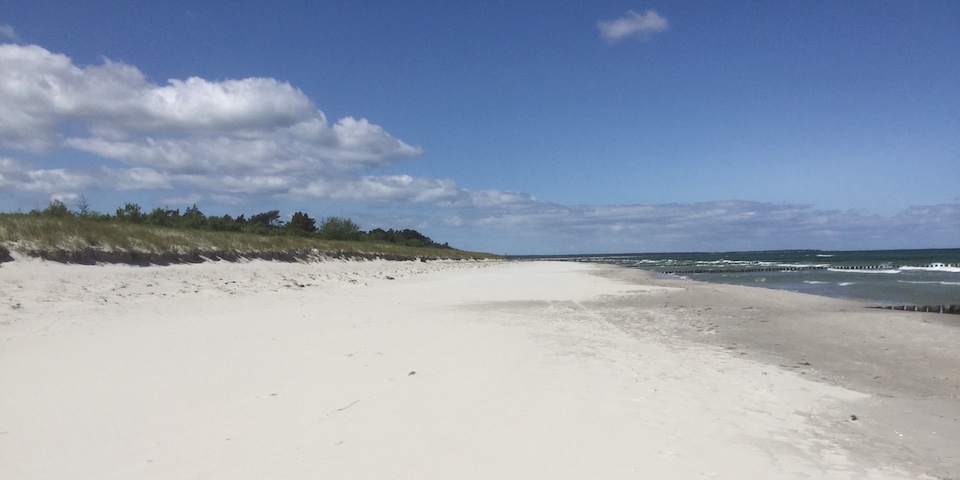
(459, 370)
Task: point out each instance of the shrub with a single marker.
(336, 228)
(301, 224)
(56, 209)
(130, 213)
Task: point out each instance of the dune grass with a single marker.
(79, 240)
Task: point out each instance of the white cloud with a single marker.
(61, 181)
(222, 140)
(498, 198)
(393, 188)
(632, 25)
(42, 91)
(133, 179)
(6, 31)
(239, 184)
(16, 176)
(253, 135)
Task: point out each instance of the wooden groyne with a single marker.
(949, 309)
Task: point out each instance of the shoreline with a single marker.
(895, 278)
(909, 362)
(760, 314)
(376, 369)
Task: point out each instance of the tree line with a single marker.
(265, 223)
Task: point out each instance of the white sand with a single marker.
(450, 370)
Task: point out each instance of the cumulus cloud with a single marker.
(7, 32)
(632, 25)
(253, 135)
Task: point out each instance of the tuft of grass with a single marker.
(78, 240)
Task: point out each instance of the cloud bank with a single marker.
(633, 25)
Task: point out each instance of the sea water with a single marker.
(888, 277)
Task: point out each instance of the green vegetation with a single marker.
(164, 236)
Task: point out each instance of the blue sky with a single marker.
(510, 127)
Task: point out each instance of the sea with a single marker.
(881, 277)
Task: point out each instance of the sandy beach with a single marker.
(460, 370)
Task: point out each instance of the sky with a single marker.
(533, 127)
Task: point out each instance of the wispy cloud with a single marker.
(633, 25)
(540, 227)
(7, 32)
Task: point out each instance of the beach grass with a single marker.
(79, 240)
